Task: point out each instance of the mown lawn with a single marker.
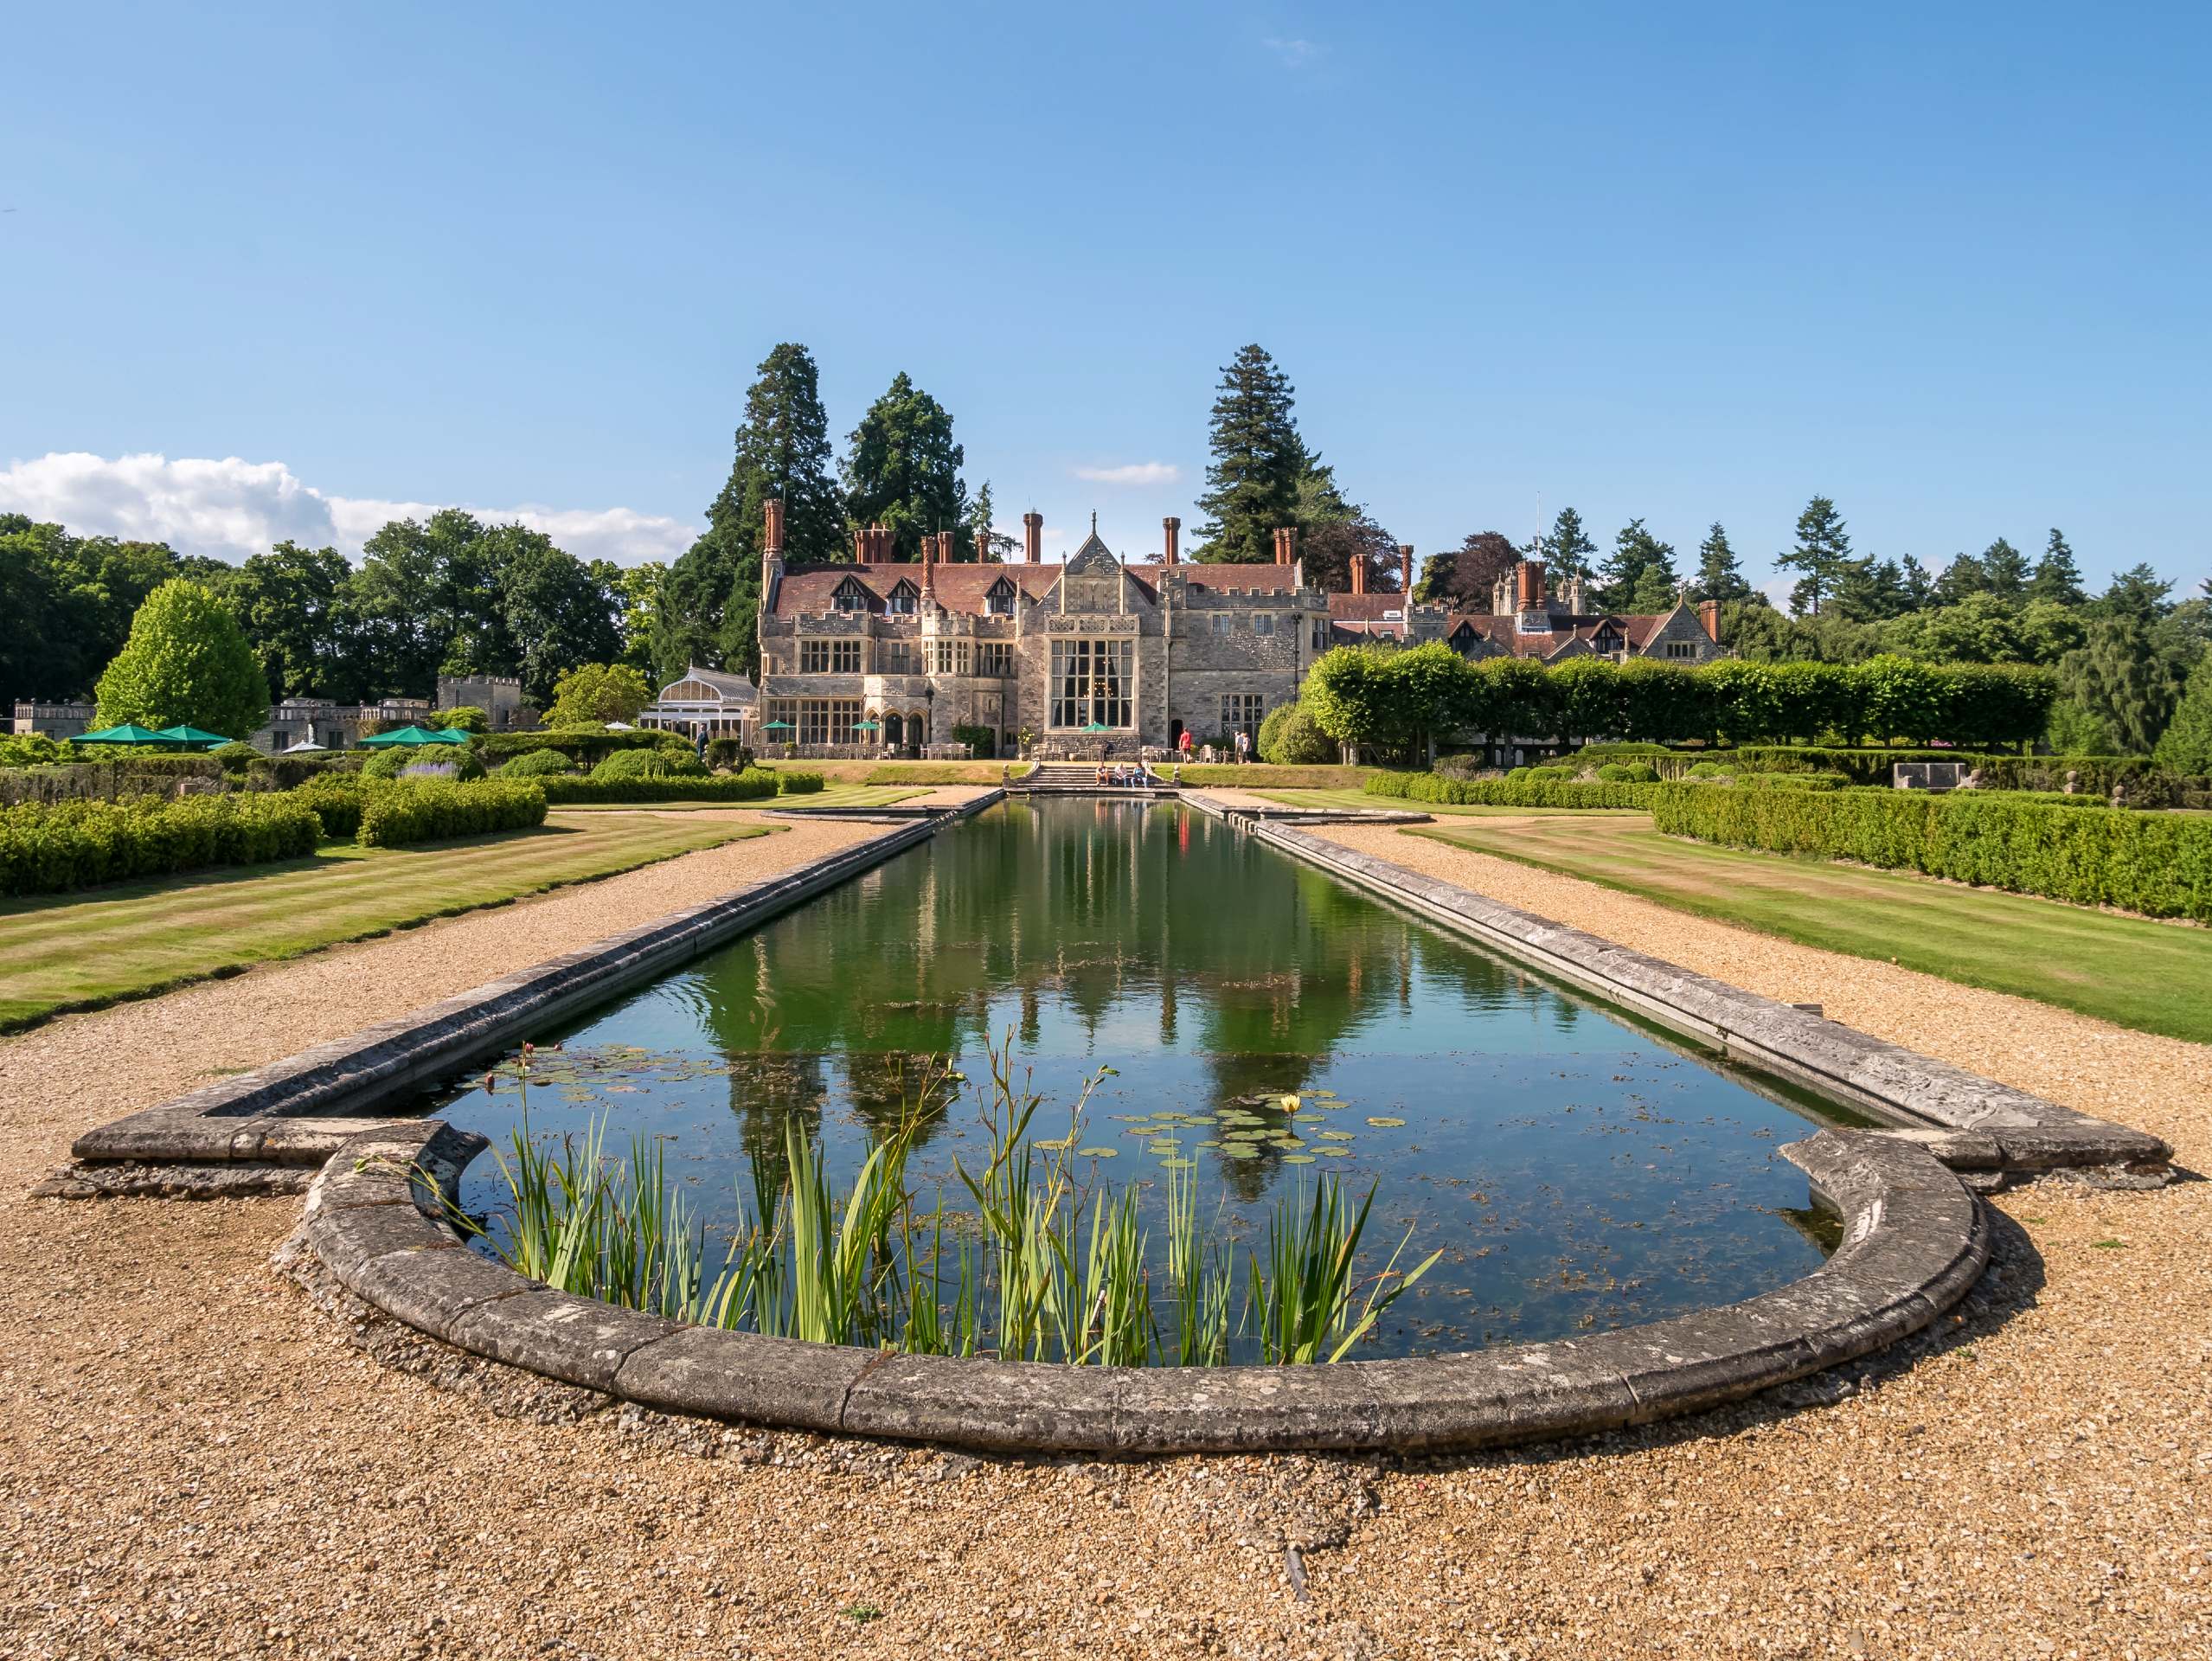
(2151, 977)
(829, 795)
(68, 951)
(1359, 799)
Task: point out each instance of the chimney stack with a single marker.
(1173, 527)
(860, 545)
(1708, 614)
(1285, 544)
(945, 548)
(1406, 570)
(774, 540)
(1530, 588)
(1032, 537)
(982, 547)
(1359, 572)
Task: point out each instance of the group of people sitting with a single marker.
(1125, 775)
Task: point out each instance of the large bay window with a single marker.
(1095, 683)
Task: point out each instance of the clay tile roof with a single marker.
(1348, 608)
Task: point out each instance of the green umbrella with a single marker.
(410, 737)
(129, 733)
(449, 735)
(191, 735)
(864, 727)
(777, 726)
(1097, 727)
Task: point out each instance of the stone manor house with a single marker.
(1096, 652)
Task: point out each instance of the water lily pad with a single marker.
(1097, 1153)
(1297, 1158)
(1238, 1151)
(1055, 1143)
(1334, 1136)
(1163, 1147)
(1287, 1141)
(1335, 1153)
(1383, 1123)
(1206, 1144)
(1175, 1164)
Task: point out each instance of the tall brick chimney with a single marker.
(1172, 552)
(1528, 589)
(1359, 573)
(1285, 544)
(945, 548)
(1406, 570)
(772, 541)
(982, 547)
(1708, 614)
(860, 545)
(1032, 537)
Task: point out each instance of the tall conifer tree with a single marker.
(1567, 548)
(1252, 484)
(2057, 578)
(1822, 549)
(1719, 576)
(902, 469)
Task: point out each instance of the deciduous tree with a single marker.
(185, 664)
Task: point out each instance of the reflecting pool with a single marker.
(1576, 1172)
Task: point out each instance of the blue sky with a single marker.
(1946, 264)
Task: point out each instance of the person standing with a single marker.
(1243, 746)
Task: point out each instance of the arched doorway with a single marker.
(894, 732)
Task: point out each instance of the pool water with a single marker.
(1577, 1172)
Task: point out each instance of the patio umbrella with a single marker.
(865, 727)
(410, 737)
(621, 727)
(777, 726)
(1097, 727)
(129, 733)
(448, 735)
(302, 747)
(191, 735)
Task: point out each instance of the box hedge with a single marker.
(751, 785)
(50, 847)
(797, 784)
(1507, 793)
(410, 811)
(2158, 864)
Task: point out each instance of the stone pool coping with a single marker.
(1969, 1122)
(1914, 1241)
(294, 1112)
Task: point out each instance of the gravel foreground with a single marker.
(195, 1460)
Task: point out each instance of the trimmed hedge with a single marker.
(395, 814)
(538, 764)
(797, 784)
(336, 800)
(750, 786)
(2157, 864)
(589, 745)
(52, 848)
(1506, 793)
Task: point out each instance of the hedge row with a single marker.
(1506, 793)
(587, 745)
(410, 811)
(2157, 864)
(51, 848)
(2148, 786)
(747, 786)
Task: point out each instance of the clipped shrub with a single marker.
(728, 755)
(537, 764)
(585, 744)
(1509, 791)
(2155, 863)
(982, 741)
(1622, 773)
(1288, 738)
(796, 784)
(395, 814)
(680, 763)
(51, 848)
(752, 784)
(235, 758)
(385, 764)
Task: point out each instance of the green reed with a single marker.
(1045, 1269)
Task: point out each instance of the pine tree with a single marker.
(706, 610)
(1822, 551)
(902, 469)
(2057, 578)
(2138, 593)
(1252, 484)
(1639, 574)
(1964, 575)
(1919, 585)
(1719, 576)
(1567, 549)
(980, 515)
(2004, 570)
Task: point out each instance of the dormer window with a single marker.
(903, 598)
(999, 600)
(851, 596)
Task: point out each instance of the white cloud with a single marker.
(1135, 472)
(1295, 53)
(233, 508)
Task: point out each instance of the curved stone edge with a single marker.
(293, 1111)
(1915, 1240)
(1977, 1123)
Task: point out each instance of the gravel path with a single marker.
(193, 1461)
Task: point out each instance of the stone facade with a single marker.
(904, 655)
(500, 697)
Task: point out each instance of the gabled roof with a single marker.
(739, 688)
(962, 586)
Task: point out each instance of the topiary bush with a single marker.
(1288, 738)
(537, 764)
(1622, 773)
(649, 764)
(796, 784)
(396, 815)
(2159, 864)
